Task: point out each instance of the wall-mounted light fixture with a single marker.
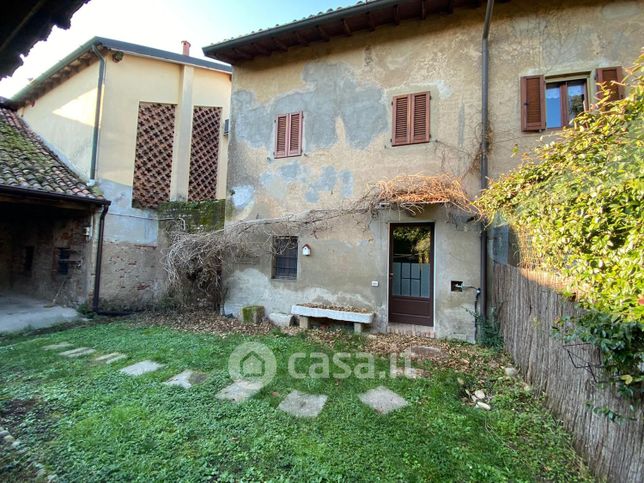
(306, 250)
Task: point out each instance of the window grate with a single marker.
(285, 257)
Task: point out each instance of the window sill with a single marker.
(283, 279)
(288, 156)
(410, 144)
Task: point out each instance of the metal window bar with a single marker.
(285, 258)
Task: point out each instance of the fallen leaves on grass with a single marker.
(201, 321)
(475, 360)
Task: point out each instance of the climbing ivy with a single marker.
(580, 202)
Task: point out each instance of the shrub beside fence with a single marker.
(527, 308)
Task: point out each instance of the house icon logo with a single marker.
(252, 361)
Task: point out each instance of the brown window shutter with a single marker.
(533, 103)
(611, 75)
(400, 120)
(295, 134)
(281, 134)
(420, 117)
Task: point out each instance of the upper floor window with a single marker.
(288, 134)
(565, 100)
(554, 103)
(410, 119)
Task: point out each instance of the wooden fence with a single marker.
(527, 308)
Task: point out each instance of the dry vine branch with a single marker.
(194, 261)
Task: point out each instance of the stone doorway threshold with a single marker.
(410, 329)
(20, 312)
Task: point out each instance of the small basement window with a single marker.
(285, 257)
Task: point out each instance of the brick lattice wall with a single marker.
(153, 161)
(204, 153)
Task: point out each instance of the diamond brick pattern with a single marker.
(26, 162)
(204, 153)
(153, 161)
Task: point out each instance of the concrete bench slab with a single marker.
(358, 318)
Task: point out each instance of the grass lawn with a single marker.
(85, 421)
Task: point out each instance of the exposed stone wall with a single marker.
(344, 88)
(132, 276)
(43, 237)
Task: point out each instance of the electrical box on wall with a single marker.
(456, 285)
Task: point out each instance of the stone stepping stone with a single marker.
(239, 391)
(186, 379)
(141, 368)
(382, 400)
(302, 405)
(110, 358)
(81, 351)
(54, 347)
(408, 372)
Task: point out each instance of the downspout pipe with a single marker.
(97, 114)
(99, 257)
(485, 125)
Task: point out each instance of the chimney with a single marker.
(185, 45)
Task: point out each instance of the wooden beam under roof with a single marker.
(241, 54)
(372, 26)
(260, 49)
(280, 45)
(347, 29)
(300, 38)
(323, 33)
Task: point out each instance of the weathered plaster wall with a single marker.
(132, 274)
(344, 87)
(64, 117)
(135, 276)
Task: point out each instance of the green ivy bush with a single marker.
(580, 202)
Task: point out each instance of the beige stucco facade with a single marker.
(65, 117)
(345, 87)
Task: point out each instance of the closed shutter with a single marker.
(612, 77)
(281, 136)
(420, 117)
(295, 134)
(400, 123)
(533, 103)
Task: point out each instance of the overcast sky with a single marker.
(162, 24)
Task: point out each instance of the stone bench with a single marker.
(357, 318)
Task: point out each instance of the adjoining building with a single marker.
(47, 215)
(327, 105)
(142, 127)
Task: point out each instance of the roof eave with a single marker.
(15, 190)
(84, 54)
(322, 28)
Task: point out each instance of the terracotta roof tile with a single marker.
(26, 162)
